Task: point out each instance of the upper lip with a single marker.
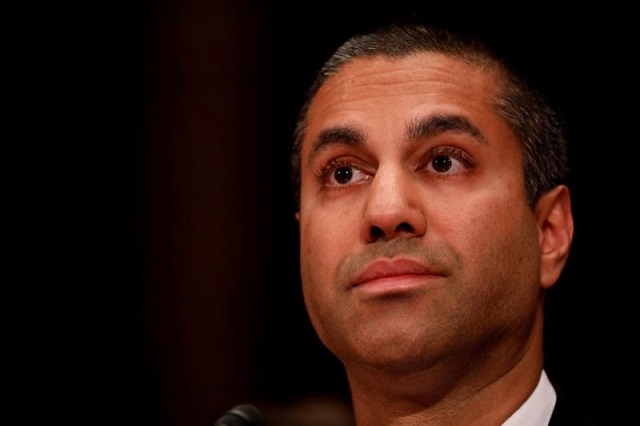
(383, 268)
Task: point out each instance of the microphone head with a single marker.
(241, 415)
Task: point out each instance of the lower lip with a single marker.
(396, 284)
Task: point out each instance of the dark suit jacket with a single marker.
(567, 413)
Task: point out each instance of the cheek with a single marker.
(499, 249)
(325, 238)
(491, 233)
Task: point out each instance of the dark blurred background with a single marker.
(182, 297)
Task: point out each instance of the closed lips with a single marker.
(380, 269)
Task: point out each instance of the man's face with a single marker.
(417, 241)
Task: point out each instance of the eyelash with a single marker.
(332, 165)
(450, 151)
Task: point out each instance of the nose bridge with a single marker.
(393, 205)
(387, 191)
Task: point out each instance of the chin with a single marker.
(394, 355)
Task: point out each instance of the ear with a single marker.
(298, 216)
(555, 227)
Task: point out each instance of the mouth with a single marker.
(386, 276)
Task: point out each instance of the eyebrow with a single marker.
(418, 129)
(344, 135)
(443, 123)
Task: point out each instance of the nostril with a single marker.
(376, 233)
(404, 227)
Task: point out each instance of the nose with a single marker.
(393, 207)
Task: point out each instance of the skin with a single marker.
(423, 266)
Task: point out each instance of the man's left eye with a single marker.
(442, 163)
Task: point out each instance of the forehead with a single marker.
(416, 68)
(417, 83)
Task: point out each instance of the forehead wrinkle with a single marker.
(340, 135)
(442, 123)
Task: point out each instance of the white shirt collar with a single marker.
(537, 409)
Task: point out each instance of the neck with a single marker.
(483, 390)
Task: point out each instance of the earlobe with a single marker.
(555, 226)
(298, 216)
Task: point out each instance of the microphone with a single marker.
(241, 415)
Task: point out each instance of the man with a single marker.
(434, 215)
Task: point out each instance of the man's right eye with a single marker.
(343, 174)
(339, 173)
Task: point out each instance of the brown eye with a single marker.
(448, 161)
(441, 163)
(343, 174)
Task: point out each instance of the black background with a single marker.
(176, 294)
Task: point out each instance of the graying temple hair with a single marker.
(532, 117)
